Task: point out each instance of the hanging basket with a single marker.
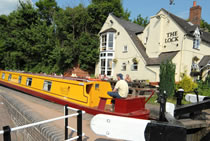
(115, 61)
(135, 60)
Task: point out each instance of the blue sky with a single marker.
(149, 8)
(146, 8)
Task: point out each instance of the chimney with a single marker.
(195, 14)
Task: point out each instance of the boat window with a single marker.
(88, 88)
(29, 81)
(9, 77)
(19, 79)
(47, 85)
(96, 86)
(3, 76)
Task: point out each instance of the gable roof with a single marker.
(134, 29)
(188, 27)
(162, 57)
(129, 25)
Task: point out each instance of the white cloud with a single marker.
(7, 6)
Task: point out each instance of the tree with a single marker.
(99, 11)
(47, 10)
(50, 39)
(88, 51)
(205, 25)
(141, 21)
(167, 78)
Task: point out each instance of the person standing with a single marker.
(120, 90)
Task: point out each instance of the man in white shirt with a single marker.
(120, 90)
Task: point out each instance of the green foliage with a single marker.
(205, 25)
(49, 39)
(187, 84)
(141, 21)
(88, 45)
(100, 9)
(167, 78)
(204, 87)
(47, 10)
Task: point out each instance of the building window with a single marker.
(196, 43)
(111, 41)
(103, 66)
(197, 39)
(134, 66)
(29, 82)
(103, 42)
(3, 76)
(9, 77)
(47, 85)
(109, 67)
(125, 49)
(19, 79)
(124, 67)
(106, 60)
(107, 41)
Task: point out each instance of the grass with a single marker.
(153, 100)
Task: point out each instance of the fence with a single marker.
(7, 130)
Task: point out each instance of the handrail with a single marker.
(153, 92)
(7, 129)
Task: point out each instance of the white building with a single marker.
(128, 48)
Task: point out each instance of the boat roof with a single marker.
(52, 76)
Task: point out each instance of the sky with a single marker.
(146, 8)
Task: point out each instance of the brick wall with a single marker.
(195, 14)
(21, 115)
(76, 71)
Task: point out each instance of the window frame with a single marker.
(48, 85)
(9, 77)
(106, 41)
(125, 49)
(19, 79)
(3, 76)
(123, 67)
(134, 66)
(197, 39)
(196, 43)
(106, 63)
(29, 81)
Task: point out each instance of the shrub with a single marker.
(167, 78)
(204, 87)
(187, 84)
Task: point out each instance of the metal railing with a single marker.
(7, 130)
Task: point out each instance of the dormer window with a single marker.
(196, 40)
(107, 41)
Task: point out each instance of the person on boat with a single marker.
(120, 90)
(105, 77)
(127, 78)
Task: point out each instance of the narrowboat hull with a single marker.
(141, 113)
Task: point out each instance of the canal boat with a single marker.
(85, 94)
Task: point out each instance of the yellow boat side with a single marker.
(86, 93)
